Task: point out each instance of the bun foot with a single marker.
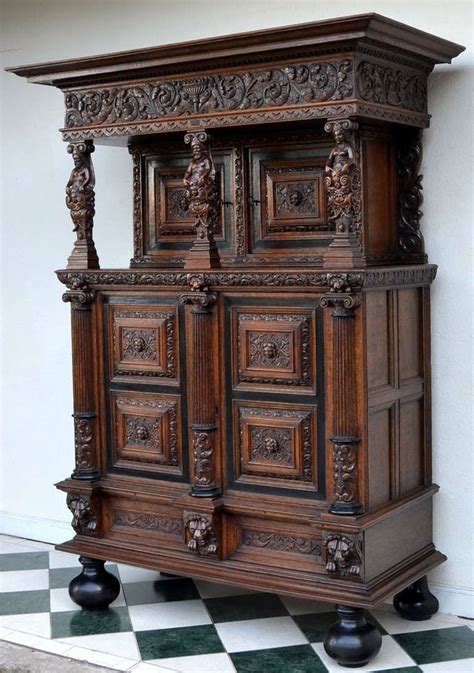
(352, 641)
(94, 588)
(416, 602)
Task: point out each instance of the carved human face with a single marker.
(270, 350)
(296, 198)
(196, 149)
(138, 344)
(142, 433)
(338, 136)
(271, 444)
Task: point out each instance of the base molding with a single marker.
(34, 527)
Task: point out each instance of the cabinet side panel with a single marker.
(379, 199)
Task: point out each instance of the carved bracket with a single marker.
(80, 199)
(203, 198)
(85, 517)
(342, 554)
(200, 534)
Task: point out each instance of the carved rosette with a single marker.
(84, 515)
(203, 198)
(342, 555)
(342, 179)
(80, 199)
(344, 302)
(410, 197)
(200, 536)
(202, 408)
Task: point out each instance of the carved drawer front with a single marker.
(146, 431)
(144, 342)
(274, 349)
(289, 200)
(275, 444)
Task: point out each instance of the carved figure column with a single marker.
(202, 411)
(200, 181)
(343, 186)
(81, 298)
(80, 199)
(345, 426)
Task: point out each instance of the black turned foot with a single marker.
(94, 588)
(416, 602)
(353, 641)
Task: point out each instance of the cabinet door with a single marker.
(145, 406)
(275, 387)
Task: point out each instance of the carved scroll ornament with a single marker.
(410, 197)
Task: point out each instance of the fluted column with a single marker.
(201, 383)
(345, 437)
(85, 416)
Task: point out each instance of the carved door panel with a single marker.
(145, 406)
(275, 396)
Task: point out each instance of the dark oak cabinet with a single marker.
(252, 396)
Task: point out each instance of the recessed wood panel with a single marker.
(144, 341)
(410, 344)
(379, 202)
(380, 453)
(379, 339)
(275, 444)
(274, 348)
(146, 429)
(411, 445)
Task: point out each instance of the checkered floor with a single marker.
(167, 624)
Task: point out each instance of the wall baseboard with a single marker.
(452, 600)
(34, 528)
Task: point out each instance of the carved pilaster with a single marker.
(410, 197)
(80, 199)
(200, 182)
(345, 437)
(81, 298)
(343, 186)
(202, 411)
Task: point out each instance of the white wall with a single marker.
(37, 238)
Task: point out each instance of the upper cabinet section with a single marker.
(366, 67)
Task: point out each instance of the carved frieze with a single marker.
(256, 89)
(384, 84)
(342, 554)
(84, 516)
(200, 535)
(146, 521)
(281, 542)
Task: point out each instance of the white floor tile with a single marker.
(393, 623)
(34, 545)
(453, 619)
(37, 624)
(133, 574)
(4, 632)
(119, 644)
(59, 559)
(257, 634)
(100, 658)
(60, 601)
(24, 580)
(458, 666)
(213, 590)
(151, 668)
(37, 643)
(391, 655)
(168, 615)
(303, 606)
(210, 663)
(10, 548)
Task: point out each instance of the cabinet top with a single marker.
(367, 58)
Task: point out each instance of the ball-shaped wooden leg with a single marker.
(416, 602)
(94, 588)
(352, 641)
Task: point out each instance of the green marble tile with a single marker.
(316, 625)
(89, 623)
(428, 647)
(180, 642)
(24, 602)
(247, 606)
(34, 560)
(141, 593)
(409, 669)
(59, 578)
(295, 659)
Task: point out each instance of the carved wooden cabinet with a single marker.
(252, 396)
